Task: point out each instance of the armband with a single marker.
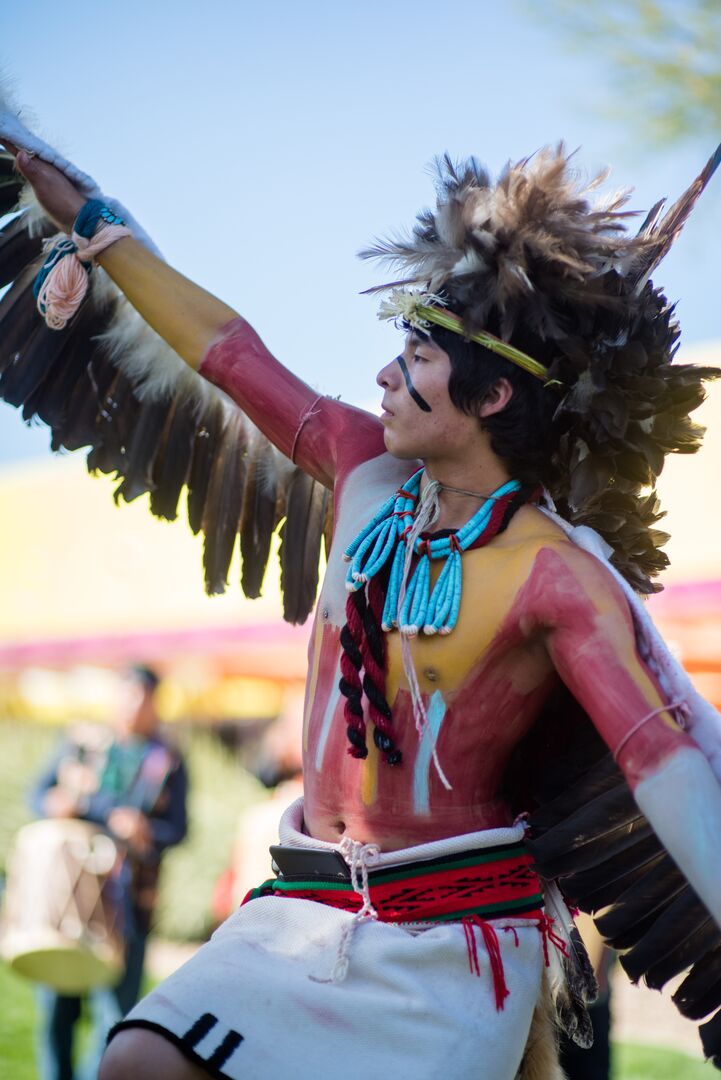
(62, 282)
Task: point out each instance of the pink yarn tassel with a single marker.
(62, 292)
(64, 289)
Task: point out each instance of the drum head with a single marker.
(63, 914)
(67, 969)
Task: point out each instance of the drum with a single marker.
(62, 923)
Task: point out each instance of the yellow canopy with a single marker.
(84, 580)
(689, 489)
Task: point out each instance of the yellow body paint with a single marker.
(491, 577)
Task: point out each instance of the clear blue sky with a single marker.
(262, 144)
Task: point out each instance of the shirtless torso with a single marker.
(533, 608)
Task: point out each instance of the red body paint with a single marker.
(535, 608)
(327, 443)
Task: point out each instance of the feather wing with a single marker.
(589, 835)
(109, 384)
(259, 518)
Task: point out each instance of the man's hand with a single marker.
(57, 196)
(186, 316)
(132, 827)
(59, 803)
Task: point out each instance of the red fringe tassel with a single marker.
(493, 948)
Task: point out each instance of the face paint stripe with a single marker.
(420, 402)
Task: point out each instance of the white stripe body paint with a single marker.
(422, 768)
(327, 718)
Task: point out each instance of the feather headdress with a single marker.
(541, 255)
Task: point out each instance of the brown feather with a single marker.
(221, 513)
(70, 380)
(112, 424)
(30, 364)
(659, 235)
(258, 519)
(80, 423)
(207, 439)
(301, 535)
(711, 1039)
(682, 934)
(145, 440)
(18, 316)
(17, 249)
(10, 182)
(172, 462)
(700, 992)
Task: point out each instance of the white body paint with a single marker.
(682, 800)
(422, 768)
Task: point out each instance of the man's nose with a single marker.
(386, 375)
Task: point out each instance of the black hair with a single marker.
(522, 434)
(145, 676)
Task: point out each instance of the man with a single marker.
(134, 784)
(439, 641)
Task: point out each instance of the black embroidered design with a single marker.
(229, 1045)
(200, 1029)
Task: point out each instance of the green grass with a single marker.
(17, 1020)
(24, 748)
(17, 1026)
(632, 1062)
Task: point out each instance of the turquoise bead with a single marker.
(382, 539)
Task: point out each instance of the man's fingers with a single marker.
(23, 158)
(26, 163)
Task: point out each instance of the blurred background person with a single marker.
(279, 767)
(130, 781)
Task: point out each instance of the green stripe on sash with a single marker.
(398, 873)
(314, 885)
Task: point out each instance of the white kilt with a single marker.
(259, 997)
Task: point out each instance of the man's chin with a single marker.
(397, 450)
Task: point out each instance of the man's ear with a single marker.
(496, 399)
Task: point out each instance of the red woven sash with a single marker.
(488, 882)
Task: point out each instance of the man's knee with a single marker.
(145, 1055)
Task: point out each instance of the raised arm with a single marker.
(318, 433)
(590, 638)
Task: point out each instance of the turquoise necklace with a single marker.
(393, 535)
